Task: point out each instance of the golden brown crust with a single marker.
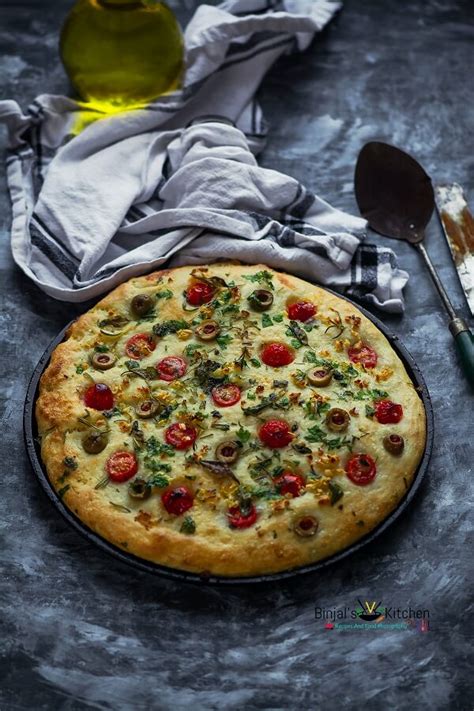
(144, 528)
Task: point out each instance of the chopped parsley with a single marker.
(101, 348)
(262, 277)
(318, 435)
(223, 341)
(158, 480)
(158, 449)
(171, 326)
(243, 434)
(266, 321)
(164, 294)
(188, 526)
(335, 491)
(255, 362)
(132, 364)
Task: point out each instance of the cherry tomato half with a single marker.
(275, 434)
(388, 412)
(301, 311)
(289, 483)
(365, 355)
(140, 345)
(177, 501)
(226, 394)
(239, 519)
(199, 293)
(121, 466)
(180, 436)
(99, 397)
(277, 355)
(171, 368)
(361, 469)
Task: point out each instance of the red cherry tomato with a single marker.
(301, 311)
(99, 396)
(277, 354)
(121, 466)
(275, 434)
(226, 394)
(365, 355)
(238, 519)
(180, 436)
(388, 412)
(140, 345)
(199, 293)
(177, 501)
(171, 368)
(289, 483)
(361, 469)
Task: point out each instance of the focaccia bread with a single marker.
(228, 420)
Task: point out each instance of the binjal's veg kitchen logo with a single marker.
(373, 615)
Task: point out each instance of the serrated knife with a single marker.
(458, 227)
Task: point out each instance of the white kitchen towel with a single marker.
(177, 181)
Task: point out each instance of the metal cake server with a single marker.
(396, 197)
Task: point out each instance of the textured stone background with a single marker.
(79, 630)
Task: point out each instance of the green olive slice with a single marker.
(94, 442)
(141, 304)
(147, 408)
(306, 526)
(139, 489)
(337, 420)
(103, 361)
(227, 451)
(207, 330)
(394, 443)
(319, 376)
(260, 299)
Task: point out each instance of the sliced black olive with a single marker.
(319, 376)
(139, 489)
(227, 451)
(306, 526)
(94, 442)
(103, 361)
(394, 443)
(207, 330)
(260, 299)
(147, 408)
(141, 304)
(337, 420)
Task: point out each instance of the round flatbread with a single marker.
(228, 420)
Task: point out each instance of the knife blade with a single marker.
(458, 227)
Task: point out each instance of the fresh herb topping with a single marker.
(273, 400)
(223, 341)
(243, 435)
(262, 277)
(318, 435)
(335, 491)
(295, 330)
(164, 294)
(158, 480)
(101, 348)
(266, 321)
(188, 526)
(171, 326)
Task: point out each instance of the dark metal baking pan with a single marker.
(33, 449)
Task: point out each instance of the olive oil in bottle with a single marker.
(122, 53)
